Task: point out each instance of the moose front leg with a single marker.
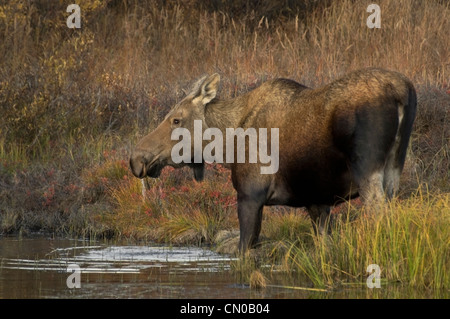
(250, 217)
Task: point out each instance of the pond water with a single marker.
(47, 268)
(40, 268)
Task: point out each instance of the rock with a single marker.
(227, 242)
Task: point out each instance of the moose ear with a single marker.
(205, 89)
(196, 88)
(209, 88)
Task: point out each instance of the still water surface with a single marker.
(38, 268)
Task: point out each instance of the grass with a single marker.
(191, 213)
(409, 240)
(74, 102)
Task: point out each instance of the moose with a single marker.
(346, 139)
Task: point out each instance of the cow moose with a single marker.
(346, 139)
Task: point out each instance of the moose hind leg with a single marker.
(321, 218)
(391, 178)
(374, 138)
(395, 161)
(371, 190)
(250, 218)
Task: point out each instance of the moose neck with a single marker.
(224, 114)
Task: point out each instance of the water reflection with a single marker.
(37, 268)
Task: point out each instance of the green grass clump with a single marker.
(409, 240)
(175, 208)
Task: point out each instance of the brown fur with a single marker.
(339, 141)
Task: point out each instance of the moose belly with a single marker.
(320, 182)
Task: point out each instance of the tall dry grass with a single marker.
(130, 60)
(409, 241)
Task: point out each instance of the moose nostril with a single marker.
(138, 166)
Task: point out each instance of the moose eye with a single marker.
(176, 121)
